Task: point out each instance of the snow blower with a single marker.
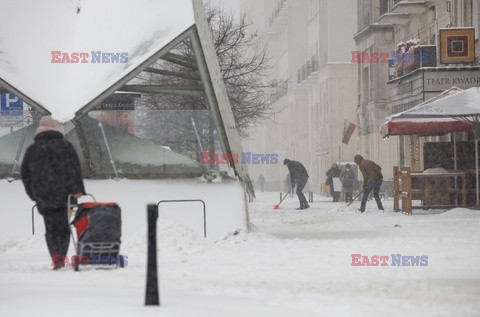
(277, 206)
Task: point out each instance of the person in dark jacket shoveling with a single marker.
(298, 176)
(372, 180)
(50, 172)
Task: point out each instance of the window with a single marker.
(433, 13)
(383, 6)
(459, 13)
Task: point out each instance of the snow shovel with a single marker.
(277, 206)
(355, 198)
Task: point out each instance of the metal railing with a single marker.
(307, 69)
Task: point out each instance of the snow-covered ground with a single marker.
(292, 263)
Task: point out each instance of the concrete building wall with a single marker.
(307, 123)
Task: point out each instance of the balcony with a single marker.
(393, 18)
(307, 74)
(278, 18)
(418, 56)
(409, 7)
(399, 14)
(282, 90)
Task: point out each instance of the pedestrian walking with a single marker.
(299, 177)
(50, 172)
(372, 180)
(347, 177)
(261, 182)
(333, 172)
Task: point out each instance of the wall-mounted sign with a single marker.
(457, 45)
(118, 101)
(441, 80)
(11, 111)
(321, 151)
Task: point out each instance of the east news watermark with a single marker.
(243, 158)
(94, 260)
(392, 260)
(397, 57)
(93, 57)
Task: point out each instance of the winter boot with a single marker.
(59, 248)
(303, 206)
(54, 252)
(64, 243)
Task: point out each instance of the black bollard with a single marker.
(33, 220)
(151, 295)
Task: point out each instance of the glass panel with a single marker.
(16, 134)
(154, 143)
(160, 125)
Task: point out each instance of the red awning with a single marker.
(399, 124)
(423, 127)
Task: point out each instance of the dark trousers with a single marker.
(348, 197)
(335, 195)
(300, 186)
(57, 233)
(375, 186)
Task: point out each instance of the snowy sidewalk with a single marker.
(292, 263)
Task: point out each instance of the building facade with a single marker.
(310, 44)
(413, 27)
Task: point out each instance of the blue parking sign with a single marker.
(11, 105)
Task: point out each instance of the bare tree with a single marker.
(244, 65)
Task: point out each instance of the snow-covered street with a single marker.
(292, 263)
(187, 107)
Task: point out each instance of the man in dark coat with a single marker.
(333, 172)
(372, 180)
(298, 176)
(50, 172)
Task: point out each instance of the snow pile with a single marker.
(459, 213)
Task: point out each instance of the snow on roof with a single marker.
(446, 93)
(33, 32)
(464, 103)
